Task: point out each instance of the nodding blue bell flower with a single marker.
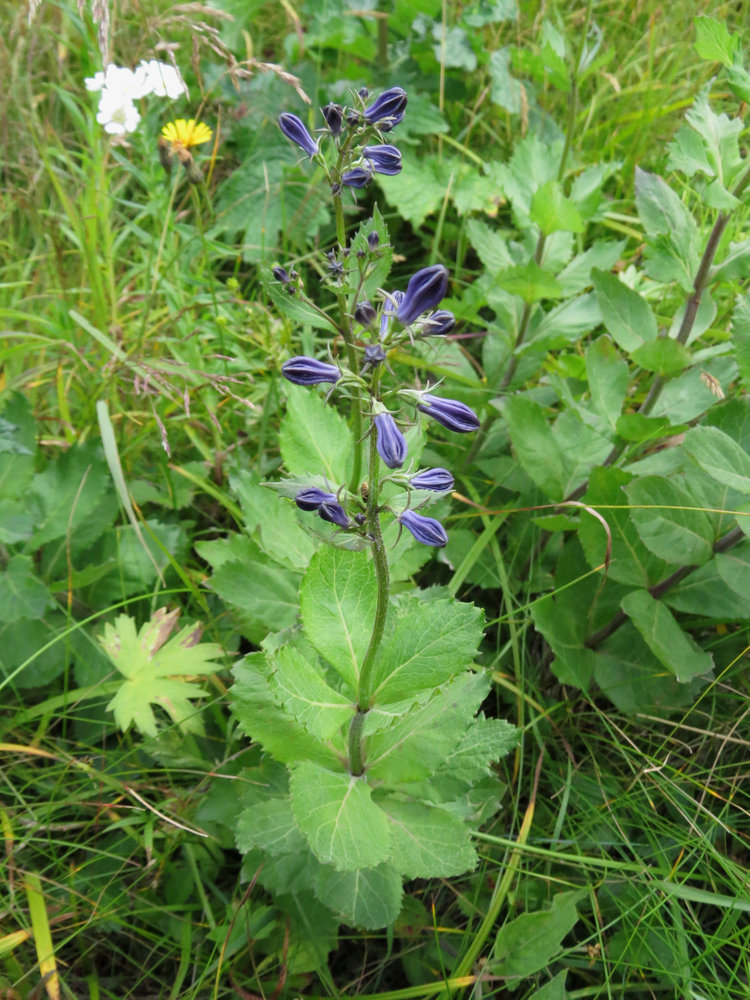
(425, 290)
(294, 129)
(309, 371)
(384, 159)
(387, 110)
(435, 480)
(334, 513)
(281, 274)
(364, 313)
(334, 116)
(449, 412)
(390, 308)
(311, 498)
(391, 443)
(439, 323)
(426, 530)
(357, 177)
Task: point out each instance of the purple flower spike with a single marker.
(358, 177)
(334, 513)
(387, 110)
(449, 412)
(435, 480)
(294, 129)
(384, 159)
(308, 371)
(311, 498)
(426, 530)
(438, 323)
(391, 443)
(425, 290)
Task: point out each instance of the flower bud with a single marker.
(426, 530)
(391, 443)
(334, 513)
(334, 116)
(439, 323)
(311, 498)
(435, 480)
(384, 159)
(449, 412)
(364, 313)
(309, 371)
(294, 129)
(358, 177)
(373, 240)
(387, 110)
(374, 355)
(425, 290)
(281, 274)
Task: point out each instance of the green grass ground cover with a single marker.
(141, 404)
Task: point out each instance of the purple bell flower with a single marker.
(426, 530)
(358, 177)
(449, 412)
(425, 290)
(384, 159)
(311, 498)
(435, 480)
(309, 371)
(334, 513)
(438, 323)
(391, 443)
(387, 110)
(389, 311)
(334, 116)
(294, 129)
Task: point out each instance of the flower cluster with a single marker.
(352, 131)
(119, 88)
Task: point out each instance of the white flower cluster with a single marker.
(121, 87)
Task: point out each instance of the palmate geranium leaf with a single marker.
(154, 667)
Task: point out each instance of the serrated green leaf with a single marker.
(720, 456)
(368, 898)
(281, 535)
(270, 826)
(663, 356)
(738, 79)
(427, 841)
(530, 942)
(264, 720)
(577, 275)
(314, 438)
(490, 245)
(741, 338)
(664, 637)
(565, 633)
(505, 90)
(415, 746)
(305, 694)
(551, 210)
(264, 595)
(553, 990)
(426, 644)
(674, 534)
(625, 314)
(532, 164)
(720, 135)
(150, 662)
(734, 569)
(608, 378)
(419, 190)
(22, 593)
(338, 818)
(535, 445)
(483, 743)
(660, 209)
(714, 42)
(337, 601)
(530, 282)
(638, 427)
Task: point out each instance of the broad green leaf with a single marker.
(553, 990)
(738, 79)
(577, 275)
(22, 593)
(713, 41)
(426, 644)
(264, 595)
(267, 722)
(608, 378)
(338, 818)
(368, 898)
(18, 432)
(281, 534)
(454, 48)
(416, 745)
(625, 314)
(734, 264)
(271, 826)
(563, 324)
(720, 135)
(380, 269)
(741, 338)
(586, 192)
(314, 438)
(483, 743)
(663, 356)
(664, 637)
(661, 211)
(427, 841)
(530, 282)
(505, 90)
(530, 942)
(632, 562)
(305, 694)
(676, 535)
(419, 190)
(720, 456)
(294, 307)
(551, 210)
(565, 634)
(637, 427)
(489, 244)
(535, 445)
(734, 569)
(705, 593)
(337, 600)
(152, 664)
(532, 164)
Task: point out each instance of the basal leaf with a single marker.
(608, 378)
(530, 942)
(22, 593)
(314, 438)
(270, 826)
(426, 645)
(484, 742)
(535, 445)
(665, 525)
(626, 315)
(734, 569)
(427, 841)
(305, 694)
(664, 637)
(338, 818)
(337, 600)
(368, 898)
(720, 456)
(265, 595)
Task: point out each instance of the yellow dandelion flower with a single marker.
(182, 134)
